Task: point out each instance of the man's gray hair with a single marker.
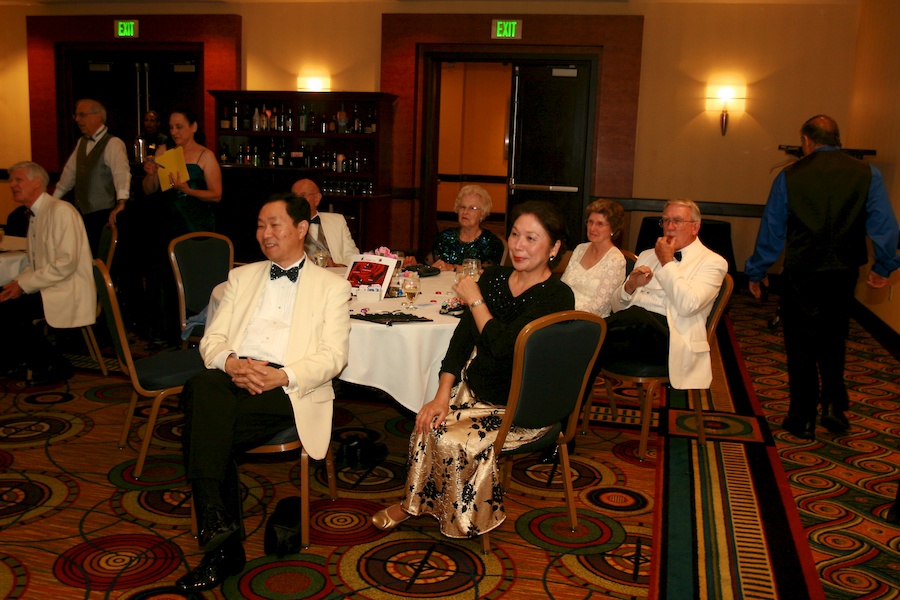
(695, 210)
(32, 169)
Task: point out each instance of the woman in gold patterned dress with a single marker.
(453, 474)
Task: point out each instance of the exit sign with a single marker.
(506, 30)
(126, 29)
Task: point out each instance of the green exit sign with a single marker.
(126, 29)
(506, 30)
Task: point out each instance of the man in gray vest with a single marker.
(97, 170)
(820, 210)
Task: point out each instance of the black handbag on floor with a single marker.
(282, 534)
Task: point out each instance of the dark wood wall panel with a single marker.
(219, 34)
(618, 37)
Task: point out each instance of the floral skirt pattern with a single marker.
(453, 473)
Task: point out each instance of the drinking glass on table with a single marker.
(472, 268)
(321, 258)
(410, 288)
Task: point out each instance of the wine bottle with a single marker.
(256, 119)
(264, 119)
(289, 120)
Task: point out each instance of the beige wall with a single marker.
(797, 58)
(874, 123)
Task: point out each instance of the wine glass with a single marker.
(410, 288)
(472, 268)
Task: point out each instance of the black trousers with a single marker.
(815, 313)
(93, 225)
(222, 421)
(635, 335)
(25, 342)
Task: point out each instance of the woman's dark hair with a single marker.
(297, 208)
(551, 219)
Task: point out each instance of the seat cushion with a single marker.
(548, 439)
(285, 436)
(168, 369)
(633, 369)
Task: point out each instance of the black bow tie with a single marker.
(678, 255)
(29, 213)
(315, 220)
(275, 272)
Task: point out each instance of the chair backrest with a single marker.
(505, 260)
(106, 296)
(630, 260)
(553, 360)
(718, 309)
(109, 237)
(200, 261)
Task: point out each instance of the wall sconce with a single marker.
(314, 84)
(725, 97)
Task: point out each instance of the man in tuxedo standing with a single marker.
(97, 170)
(328, 232)
(279, 336)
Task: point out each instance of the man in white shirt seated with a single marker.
(659, 313)
(279, 336)
(59, 267)
(328, 232)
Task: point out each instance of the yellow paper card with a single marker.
(170, 163)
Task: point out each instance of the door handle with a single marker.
(566, 189)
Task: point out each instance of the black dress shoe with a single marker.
(51, 374)
(215, 529)
(215, 568)
(835, 421)
(16, 371)
(800, 428)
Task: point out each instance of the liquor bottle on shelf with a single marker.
(301, 119)
(235, 116)
(332, 124)
(246, 119)
(341, 120)
(356, 162)
(273, 154)
(370, 119)
(303, 156)
(282, 156)
(256, 119)
(279, 118)
(224, 156)
(289, 120)
(357, 121)
(264, 119)
(311, 123)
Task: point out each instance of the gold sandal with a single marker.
(382, 520)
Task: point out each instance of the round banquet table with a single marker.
(12, 258)
(403, 359)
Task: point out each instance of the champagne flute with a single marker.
(410, 288)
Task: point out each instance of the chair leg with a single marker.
(129, 415)
(586, 413)
(304, 498)
(611, 397)
(94, 348)
(329, 471)
(486, 543)
(696, 396)
(645, 397)
(148, 435)
(567, 482)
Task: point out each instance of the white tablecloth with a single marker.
(404, 359)
(12, 258)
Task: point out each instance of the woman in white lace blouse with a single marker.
(597, 267)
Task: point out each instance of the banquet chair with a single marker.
(630, 261)
(647, 378)
(560, 268)
(200, 261)
(158, 376)
(286, 441)
(553, 359)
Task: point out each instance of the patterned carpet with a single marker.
(843, 484)
(717, 521)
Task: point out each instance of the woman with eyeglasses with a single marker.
(470, 240)
(597, 267)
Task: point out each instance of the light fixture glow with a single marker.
(725, 98)
(314, 84)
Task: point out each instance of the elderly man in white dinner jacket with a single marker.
(333, 226)
(678, 281)
(278, 338)
(59, 267)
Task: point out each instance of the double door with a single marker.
(128, 82)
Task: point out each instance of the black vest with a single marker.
(826, 229)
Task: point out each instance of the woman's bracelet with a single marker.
(478, 302)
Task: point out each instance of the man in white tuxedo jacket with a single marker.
(660, 312)
(57, 284)
(327, 231)
(279, 336)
